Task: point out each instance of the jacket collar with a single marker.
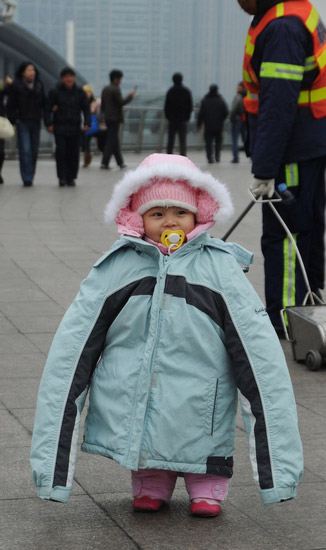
(201, 240)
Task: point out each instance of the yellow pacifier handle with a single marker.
(172, 239)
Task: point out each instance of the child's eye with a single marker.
(181, 212)
(157, 214)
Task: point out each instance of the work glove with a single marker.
(262, 188)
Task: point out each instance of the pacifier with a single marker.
(172, 239)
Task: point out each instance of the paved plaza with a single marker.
(49, 239)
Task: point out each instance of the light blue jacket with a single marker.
(163, 346)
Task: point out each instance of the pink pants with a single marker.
(160, 484)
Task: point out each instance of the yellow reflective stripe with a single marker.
(281, 70)
(246, 76)
(321, 60)
(292, 174)
(289, 259)
(310, 63)
(312, 96)
(317, 95)
(312, 20)
(252, 97)
(250, 47)
(304, 97)
(280, 10)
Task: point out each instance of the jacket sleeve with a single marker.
(200, 116)
(167, 105)
(72, 359)
(265, 390)
(48, 108)
(282, 47)
(11, 106)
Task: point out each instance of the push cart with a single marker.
(305, 325)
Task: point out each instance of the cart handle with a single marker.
(286, 332)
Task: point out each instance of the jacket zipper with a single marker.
(214, 407)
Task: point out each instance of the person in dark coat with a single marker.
(64, 107)
(3, 92)
(212, 113)
(238, 121)
(178, 108)
(285, 77)
(25, 109)
(112, 103)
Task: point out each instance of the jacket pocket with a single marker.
(211, 407)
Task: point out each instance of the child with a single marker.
(164, 334)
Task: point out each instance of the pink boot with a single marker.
(208, 508)
(205, 492)
(147, 504)
(151, 488)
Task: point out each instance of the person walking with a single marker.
(25, 108)
(285, 78)
(212, 113)
(238, 121)
(3, 93)
(64, 107)
(178, 107)
(86, 137)
(165, 334)
(112, 104)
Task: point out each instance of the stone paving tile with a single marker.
(13, 434)
(46, 307)
(299, 522)
(6, 327)
(27, 365)
(30, 524)
(42, 341)
(19, 393)
(16, 343)
(36, 323)
(173, 527)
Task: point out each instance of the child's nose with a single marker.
(170, 221)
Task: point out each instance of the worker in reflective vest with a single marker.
(285, 76)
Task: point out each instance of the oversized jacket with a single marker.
(163, 345)
(282, 133)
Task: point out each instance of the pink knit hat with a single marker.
(167, 180)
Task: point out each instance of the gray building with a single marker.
(147, 39)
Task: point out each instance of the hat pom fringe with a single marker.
(130, 219)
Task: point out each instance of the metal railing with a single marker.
(144, 129)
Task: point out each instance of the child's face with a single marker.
(159, 219)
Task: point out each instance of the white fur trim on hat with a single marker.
(171, 167)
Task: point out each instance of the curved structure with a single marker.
(17, 45)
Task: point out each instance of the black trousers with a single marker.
(112, 144)
(180, 128)
(284, 282)
(210, 138)
(67, 156)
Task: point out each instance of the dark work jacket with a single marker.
(178, 104)
(24, 103)
(64, 108)
(283, 133)
(212, 113)
(112, 103)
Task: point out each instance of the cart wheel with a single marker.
(313, 360)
